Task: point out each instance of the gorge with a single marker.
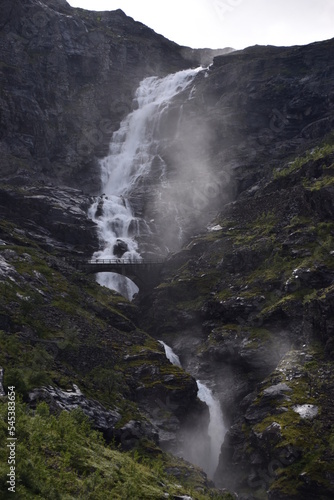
(118, 143)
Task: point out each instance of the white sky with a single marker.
(229, 23)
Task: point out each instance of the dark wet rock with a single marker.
(120, 248)
(99, 209)
(130, 434)
(318, 277)
(319, 319)
(236, 309)
(258, 410)
(103, 420)
(275, 391)
(55, 217)
(5, 320)
(58, 400)
(271, 433)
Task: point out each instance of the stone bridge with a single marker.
(144, 273)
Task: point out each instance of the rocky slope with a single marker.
(70, 343)
(247, 302)
(248, 306)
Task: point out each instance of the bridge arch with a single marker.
(145, 273)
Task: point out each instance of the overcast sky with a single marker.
(229, 23)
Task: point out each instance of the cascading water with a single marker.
(170, 354)
(132, 151)
(216, 428)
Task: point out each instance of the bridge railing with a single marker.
(125, 261)
(156, 260)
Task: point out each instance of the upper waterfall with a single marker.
(132, 151)
(134, 145)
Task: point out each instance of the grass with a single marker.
(61, 457)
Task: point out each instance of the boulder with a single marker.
(59, 400)
(120, 248)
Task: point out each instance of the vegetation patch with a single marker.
(315, 154)
(62, 457)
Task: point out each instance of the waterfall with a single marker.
(170, 354)
(132, 152)
(216, 428)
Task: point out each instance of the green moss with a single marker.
(326, 181)
(298, 221)
(260, 335)
(25, 366)
(313, 155)
(223, 294)
(272, 268)
(310, 439)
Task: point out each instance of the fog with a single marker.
(190, 189)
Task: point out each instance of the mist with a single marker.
(190, 189)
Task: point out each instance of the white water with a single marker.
(216, 428)
(170, 354)
(131, 153)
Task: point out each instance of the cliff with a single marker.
(248, 302)
(68, 76)
(245, 299)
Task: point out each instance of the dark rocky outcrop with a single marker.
(58, 400)
(120, 248)
(55, 217)
(128, 436)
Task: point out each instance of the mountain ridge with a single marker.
(246, 299)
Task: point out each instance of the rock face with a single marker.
(55, 217)
(257, 286)
(247, 303)
(67, 329)
(250, 112)
(58, 400)
(68, 76)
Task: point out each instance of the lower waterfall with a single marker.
(216, 428)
